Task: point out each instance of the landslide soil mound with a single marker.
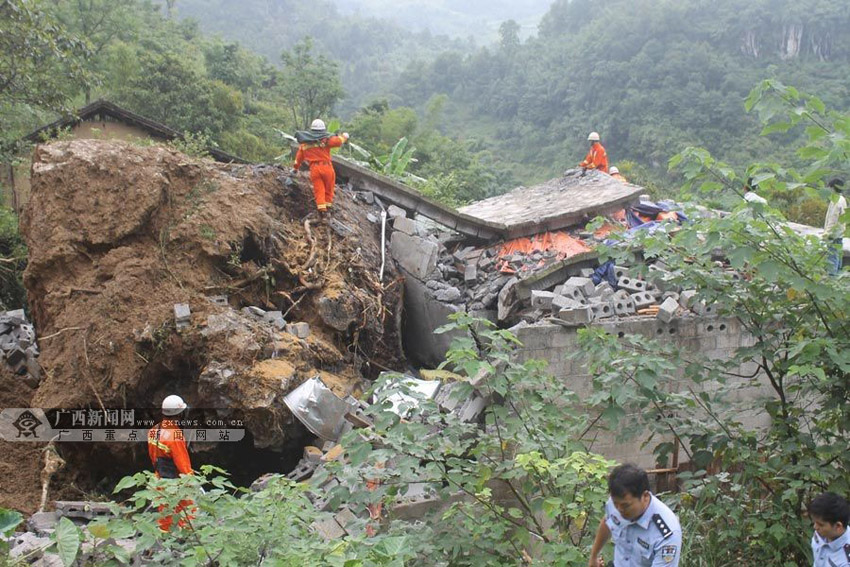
(118, 234)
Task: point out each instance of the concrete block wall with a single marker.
(713, 337)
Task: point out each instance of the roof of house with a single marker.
(101, 108)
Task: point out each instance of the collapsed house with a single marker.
(216, 284)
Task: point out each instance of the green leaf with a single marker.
(9, 520)
(776, 127)
(125, 483)
(67, 541)
(100, 531)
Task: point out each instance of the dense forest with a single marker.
(653, 76)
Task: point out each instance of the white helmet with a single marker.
(593, 137)
(318, 124)
(173, 405)
(613, 170)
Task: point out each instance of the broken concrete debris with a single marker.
(300, 330)
(18, 343)
(182, 314)
(320, 410)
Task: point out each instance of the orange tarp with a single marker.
(561, 242)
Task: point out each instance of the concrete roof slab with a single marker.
(557, 203)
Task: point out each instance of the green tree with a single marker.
(39, 61)
(99, 23)
(309, 82)
(775, 286)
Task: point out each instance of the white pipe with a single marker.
(383, 243)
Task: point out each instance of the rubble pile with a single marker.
(18, 343)
(330, 417)
(216, 283)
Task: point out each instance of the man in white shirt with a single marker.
(833, 228)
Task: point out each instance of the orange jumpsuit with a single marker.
(318, 156)
(170, 459)
(596, 158)
(619, 177)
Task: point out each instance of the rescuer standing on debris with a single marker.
(645, 531)
(315, 150)
(168, 453)
(615, 173)
(830, 514)
(597, 157)
(833, 228)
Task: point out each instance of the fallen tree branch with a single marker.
(59, 332)
(311, 258)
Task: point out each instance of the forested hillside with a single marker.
(370, 51)
(479, 19)
(652, 76)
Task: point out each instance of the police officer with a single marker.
(831, 541)
(646, 533)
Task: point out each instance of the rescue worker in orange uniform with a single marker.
(169, 455)
(597, 157)
(615, 173)
(316, 153)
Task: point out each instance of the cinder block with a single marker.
(602, 310)
(85, 510)
(586, 272)
(572, 292)
(575, 317)
(643, 299)
(561, 302)
(621, 272)
(303, 470)
(632, 285)
(470, 273)
(687, 298)
(604, 290)
(621, 294)
(624, 306)
(660, 279)
(586, 285)
(542, 299)
(16, 316)
(667, 310)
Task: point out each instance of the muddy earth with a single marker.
(118, 234)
